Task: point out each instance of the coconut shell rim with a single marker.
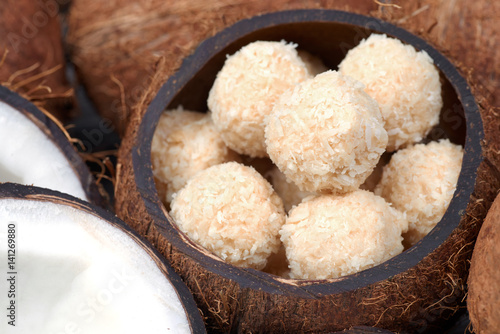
(254, 279)
(56, 135)
(25, 192)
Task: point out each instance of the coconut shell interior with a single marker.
(53, 131)
(415, 291)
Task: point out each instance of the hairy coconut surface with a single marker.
(426, 284)
(74, 267)
(364, 330)
(37, 151)
(484, 278)
(116, 44)
(31, 54)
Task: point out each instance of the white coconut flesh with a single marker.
(28, 156)
(76, 273)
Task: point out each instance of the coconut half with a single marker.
(415, 291)
(75, 268)
(35, 151)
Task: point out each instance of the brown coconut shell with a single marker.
(483, 301)
(414, 292)
(56, 133)
(364, 330)
(21, 192)
(116, 43)
(31, 54)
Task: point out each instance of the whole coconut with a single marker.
(483, 301)
(31, 54)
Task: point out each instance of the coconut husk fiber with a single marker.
(31, 54)
(483, 300)
(116, 43)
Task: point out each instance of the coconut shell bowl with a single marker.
(413, 292)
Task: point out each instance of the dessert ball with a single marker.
(184, 143)
(246, 89)
(289, 193)
(329, 236)
(326, 134)
(420, 180)
(404, 82)
(232, 211)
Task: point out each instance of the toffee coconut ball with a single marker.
(329, 236)
(404, 82)
(184, 143)
(420, 181)
(326, 134)
(246, 89)
(232, 211)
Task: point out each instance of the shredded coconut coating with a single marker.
(329, 236)
(420, 181)
(232, 211)
(184, 143)
(404, 82)
(326, 134)
(246, 89)
(289, 193)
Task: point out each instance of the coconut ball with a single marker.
(232, 211)
(184, 143)
(326, 134)
(289, 193)
(329, 236)
(246, 89)
(404, 82)
(420, 181)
